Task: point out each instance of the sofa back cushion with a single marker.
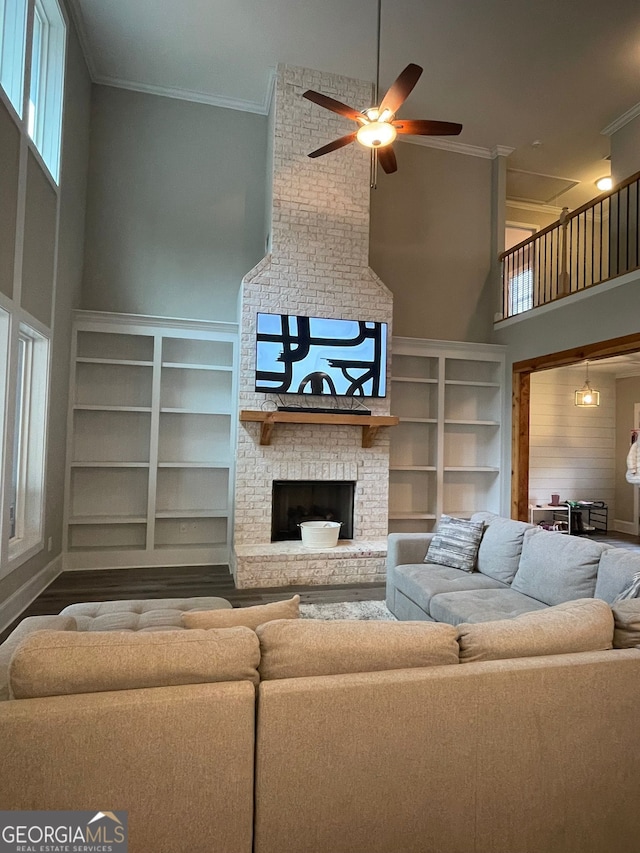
(585, 625)
(501, 545)
(555, 567)
(627, 624)
(295, 648)
(615, 572)
(249, 617)
(53, 663)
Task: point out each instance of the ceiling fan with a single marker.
(378, 125)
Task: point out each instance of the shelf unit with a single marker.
(446, 451)
(151, 441)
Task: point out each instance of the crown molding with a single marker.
(532, 205)
(187, 95)
(450, 145)
(619, 122)
(501, 151)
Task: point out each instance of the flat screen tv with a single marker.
(316, 355)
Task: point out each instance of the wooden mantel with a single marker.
(370, 423)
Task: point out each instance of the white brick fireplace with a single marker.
(318, 266)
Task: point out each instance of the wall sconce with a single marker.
(604, 184)
(587, 397)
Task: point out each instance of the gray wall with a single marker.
(75, 151)
(175, 209)
(607, 311)
(597, 315)
(430, 244)
(625, 151)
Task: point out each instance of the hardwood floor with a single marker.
(178, 582)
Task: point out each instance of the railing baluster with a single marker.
(601, 218)
(637, 222)
(555, 261)
(593, 245)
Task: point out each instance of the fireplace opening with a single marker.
(295, 501)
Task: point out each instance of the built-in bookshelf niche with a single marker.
(151, 436)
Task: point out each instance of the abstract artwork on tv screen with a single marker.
(313, 355)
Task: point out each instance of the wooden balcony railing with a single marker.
(592, 244)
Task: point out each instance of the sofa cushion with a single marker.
(556, 567)
(585, 625)
(615, 572)
(250, 617)
(501, 545)
(53, 663)
(300, 647)
(152, 614)
(627, 623)
(455, 543)
(481, 605)
(422, 581)
(24, 628)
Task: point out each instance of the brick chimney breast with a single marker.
(318, 267)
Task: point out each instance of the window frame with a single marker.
(41, 118)
(28, 471)
(520, 292)
(13, 86)
(46, 133)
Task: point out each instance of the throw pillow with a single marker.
(456, 543)
(627, 616)
(585, 625)
(631, 591)
(249, 617)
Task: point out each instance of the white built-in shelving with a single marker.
(150, 442)
(446, 451)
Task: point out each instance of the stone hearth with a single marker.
(318, 266)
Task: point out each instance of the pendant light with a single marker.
(587, 397)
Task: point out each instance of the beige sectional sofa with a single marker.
(335, 737)
(520, 568)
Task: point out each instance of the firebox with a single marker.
(295, 501)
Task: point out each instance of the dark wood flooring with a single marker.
(178, 582)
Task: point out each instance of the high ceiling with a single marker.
(541, 77)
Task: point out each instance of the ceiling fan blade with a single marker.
(401, 89)
(333, 146)
(333, 105)
(387, 159)
(424, 127)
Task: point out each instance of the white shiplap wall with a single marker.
(572, 449)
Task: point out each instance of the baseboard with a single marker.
(624, 527)
(19, 600)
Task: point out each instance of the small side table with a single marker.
(535, 510)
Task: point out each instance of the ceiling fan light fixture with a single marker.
(376, 134)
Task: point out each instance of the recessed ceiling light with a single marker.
(604, 184)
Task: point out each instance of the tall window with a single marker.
(45, 45)
(27, 477)
(13, 31)
(44, 122)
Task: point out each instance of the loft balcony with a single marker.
(591, 245)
